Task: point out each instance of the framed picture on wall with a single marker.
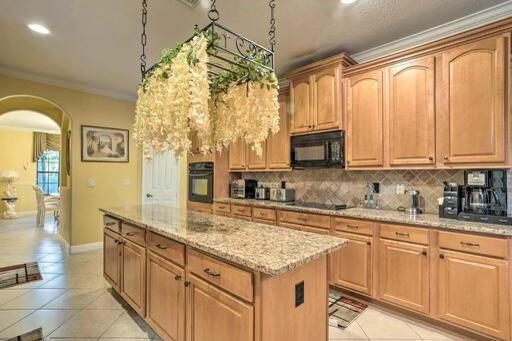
(104, 144)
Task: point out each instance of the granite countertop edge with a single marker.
(274, 271)
(423, 220)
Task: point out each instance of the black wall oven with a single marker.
(200, 182)
(318, 150)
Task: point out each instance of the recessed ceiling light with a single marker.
(39, 28)
(346, 2)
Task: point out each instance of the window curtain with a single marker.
(42, 142)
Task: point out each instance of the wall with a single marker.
(339, 186)
(115, 184)
(16, 152)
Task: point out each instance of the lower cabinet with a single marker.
(404, 274)
(133, 288)
(112, 258)
(214, 315)
(165, 305)
(351, 266)
(473, 292)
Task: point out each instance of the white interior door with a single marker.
(160, 179)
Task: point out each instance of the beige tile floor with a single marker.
(73, 302)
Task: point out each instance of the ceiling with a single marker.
(95, 43)
(27, 120)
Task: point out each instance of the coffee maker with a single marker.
(484, 196)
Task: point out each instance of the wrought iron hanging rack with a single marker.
(226, 52)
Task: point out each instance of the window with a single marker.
(48, 172)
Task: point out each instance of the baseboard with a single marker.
(85, 247)
(66, 243)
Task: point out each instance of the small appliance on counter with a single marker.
(317, 150)
(282, 194)
(262, 193)
(452, 201)
(414, 203)
(243, 189)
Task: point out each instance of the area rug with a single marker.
(35, 335)
(343, 310)
(18, 274)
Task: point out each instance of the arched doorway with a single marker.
(24, 107)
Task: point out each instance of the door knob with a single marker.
(149, 195)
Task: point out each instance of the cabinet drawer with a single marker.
(112, 224)
(353, 226)
(167, 248)
(482, 245)
(135, 234)
(221, 207)
(264, 213)
(305, 219)
(241, 210)
(227, 277)
(404, 233)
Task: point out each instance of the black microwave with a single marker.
(318, 150)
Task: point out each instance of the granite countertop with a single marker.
(425, 220)
(268, 249)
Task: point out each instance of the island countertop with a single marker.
(259, 247)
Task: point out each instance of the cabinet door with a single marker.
(411, 113)
(473, 292)
(404, 275)
(278, 145)
(133, 286)
(301, 97)
(166, 298)
(237, 155)
(213, 315)
(195, 147)
(364, 120)
(474, 97)
(326, 99)
(112, 259)
(351, 266)
(254, 161)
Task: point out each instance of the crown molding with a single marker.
(477, 19)
(66, 84)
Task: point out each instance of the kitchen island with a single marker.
(201, 277)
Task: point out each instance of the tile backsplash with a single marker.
(339, 186)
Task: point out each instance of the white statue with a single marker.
(9, 198)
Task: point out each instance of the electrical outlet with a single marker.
(299, 294)
(400, 189)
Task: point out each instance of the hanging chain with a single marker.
(272, 31)
(213, 14)
(143, 38)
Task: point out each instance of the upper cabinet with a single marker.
(472, 109)
(316, 98)
(411, 117)
(237, 152)
(364, 109)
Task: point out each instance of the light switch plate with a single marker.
(91, 183)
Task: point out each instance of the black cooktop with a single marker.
(330, 207)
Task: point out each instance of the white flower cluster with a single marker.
(175, 102)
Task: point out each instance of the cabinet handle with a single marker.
(368, 243)
(111, 223)
(177, 277)
(211, 273)
(161, 247)
(424, 253)
(121, 242)
(130, 234)
(468, 244)
(353, 227)
(116, 241)
(402, 234)
(431, 158)
(441, 256)
(446, 158)
(187, 283)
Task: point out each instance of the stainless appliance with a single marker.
(414, 207)
(282, 194)
(318, 150)
(452, 201)
(262, 193)
(244, 189)
(200, 182)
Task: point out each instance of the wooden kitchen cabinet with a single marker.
(112, 258)
(301, 99)
(165, 297)
(278, 145)
(351, 266)
(327, 99)
(411, 120)
(133, 275)
(213, 315)
(237, 152)
(254, 161)
(473, 292)
(473, 102)
(404, 274)
(364, 112)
